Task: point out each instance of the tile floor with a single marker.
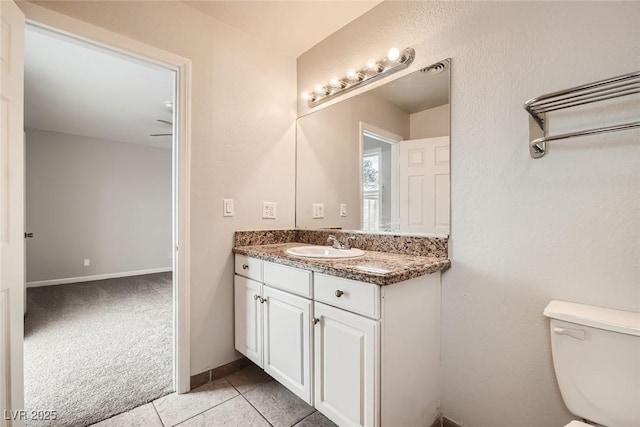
(247, 398)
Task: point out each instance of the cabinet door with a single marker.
(287, 342)
(248, 318)
(346, 372)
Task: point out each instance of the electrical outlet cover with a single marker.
(318, 210)
(269, 210)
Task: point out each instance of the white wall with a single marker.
(243, 145)
(93, 198)
(429, 123)
(523, 231)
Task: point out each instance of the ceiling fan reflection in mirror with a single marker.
(169, 106)
(163, 134)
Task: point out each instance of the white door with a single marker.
(424, 185)
(346, 373)
(11, 212)
(248, 318)
(287, 345)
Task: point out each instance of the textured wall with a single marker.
(523, 231)
(243, 145)
(92, 198)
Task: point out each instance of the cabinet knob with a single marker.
(256, 297)
(315, 320)
(339, 293)
(245, 266)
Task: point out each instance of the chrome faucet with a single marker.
(336, 243)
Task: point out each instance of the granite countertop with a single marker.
(379, 268)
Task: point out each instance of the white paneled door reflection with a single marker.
(424, 185)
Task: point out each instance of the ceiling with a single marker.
(76, 89)
(291, 26)
(417, 91)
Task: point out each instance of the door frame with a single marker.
(37, 16)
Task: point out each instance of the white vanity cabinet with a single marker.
(273, 327)
(364, 355)
(347, 362)
(248, 318)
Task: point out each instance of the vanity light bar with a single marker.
(396, 60)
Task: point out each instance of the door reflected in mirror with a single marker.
(379, 161)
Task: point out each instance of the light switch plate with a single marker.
(318, 210)
(87, 262)
(227, 207)
(269, 210)
(343, 209)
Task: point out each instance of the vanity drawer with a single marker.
(249, 267)
(288, 279)
(358, 297)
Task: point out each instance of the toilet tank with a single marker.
(596, 356)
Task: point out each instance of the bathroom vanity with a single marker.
(359, 339)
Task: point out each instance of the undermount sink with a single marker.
(324, 252)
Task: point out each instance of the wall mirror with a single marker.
(378, 161)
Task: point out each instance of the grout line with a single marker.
(257, 410)
(211, 407)
(157, 413)
(304, 418)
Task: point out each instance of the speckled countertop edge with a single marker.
(379, 268)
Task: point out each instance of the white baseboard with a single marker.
(97, 277)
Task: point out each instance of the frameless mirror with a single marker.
(378, 161)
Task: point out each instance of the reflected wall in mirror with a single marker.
(378, 161)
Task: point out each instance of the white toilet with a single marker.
(596, 355)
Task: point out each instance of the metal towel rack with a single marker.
(602, 90)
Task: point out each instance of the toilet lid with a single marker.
(578, 424)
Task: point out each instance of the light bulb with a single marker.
(336, 83)
(307, 96)
(393, 54)
(374, 66)
(319, 89)
(354, 76)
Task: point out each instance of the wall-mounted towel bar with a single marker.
(602, 90)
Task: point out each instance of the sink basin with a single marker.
(324, 252)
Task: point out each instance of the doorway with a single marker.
(379, 178)
(99, 156)
(11, 354)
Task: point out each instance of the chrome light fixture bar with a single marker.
(396, 60)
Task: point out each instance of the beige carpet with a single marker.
(96, 349)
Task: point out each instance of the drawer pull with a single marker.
(339, 293)
(245, 266)
(315, 320)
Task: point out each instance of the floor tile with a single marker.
(279, 406)
(235, 412)
(175, 408)
(248, 378)
(142, 416)
(316, 420)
